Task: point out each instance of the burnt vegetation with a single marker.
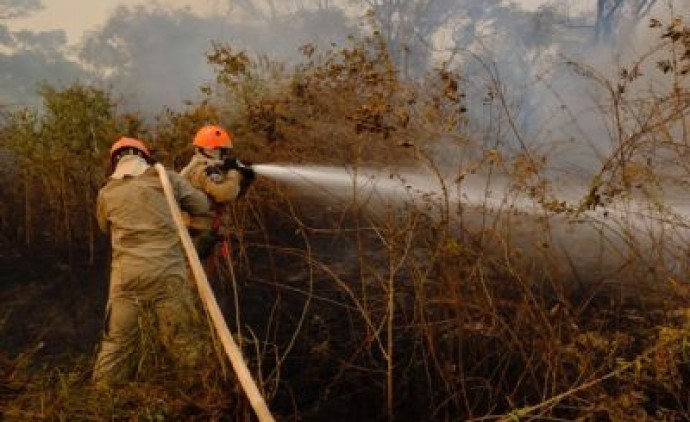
(408, 314)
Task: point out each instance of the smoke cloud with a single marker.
(153, 56)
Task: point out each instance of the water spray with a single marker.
(596, 242)
(341, 183)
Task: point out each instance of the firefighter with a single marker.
(215, 170)
(148, 267)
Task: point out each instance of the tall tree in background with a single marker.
(409, 25)
(280, 27)
(611, 13)
(156, 55)
(502, 50)
(153, 55)
(272, 11)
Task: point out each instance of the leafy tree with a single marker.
(19, 149)
(174, 131)
(62, 154)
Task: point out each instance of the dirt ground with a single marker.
(56, 316)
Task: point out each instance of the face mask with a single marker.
(130, 165)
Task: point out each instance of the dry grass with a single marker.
(432, 312)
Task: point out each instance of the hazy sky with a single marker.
(77, 16)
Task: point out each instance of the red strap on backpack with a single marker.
(225, 242)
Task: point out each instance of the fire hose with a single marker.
(231, 349)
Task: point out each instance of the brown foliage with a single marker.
(430, 312)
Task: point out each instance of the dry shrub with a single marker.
(341, 105)
(430, 311)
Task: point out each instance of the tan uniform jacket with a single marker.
(221, 192)
(146, 247)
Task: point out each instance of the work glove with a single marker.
(247, 173)
(232, 163)
(214, 174)
(248, 176)
(205, 242)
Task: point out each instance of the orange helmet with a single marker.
(212, 136)
(128, 143)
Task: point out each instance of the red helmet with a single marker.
(128, 143)
(212, 136)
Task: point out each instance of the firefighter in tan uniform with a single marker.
(148, 269)
(217, 172)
